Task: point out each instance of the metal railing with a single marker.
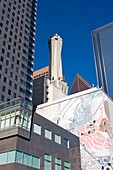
(16, 102)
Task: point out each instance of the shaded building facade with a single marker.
(17, 40)
(79, 84)
(103, 51)
(34, 142)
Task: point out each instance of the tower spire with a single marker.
(55, 66)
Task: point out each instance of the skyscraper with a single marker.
(103, 50)
(79, 84)
(17, 38)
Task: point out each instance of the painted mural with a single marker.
(90, 117)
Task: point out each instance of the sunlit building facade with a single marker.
(88, 115)
(103, 50)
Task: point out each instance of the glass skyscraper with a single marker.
(17, 38)
(103, 50)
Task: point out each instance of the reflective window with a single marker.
(35, 162)
(27, 159)
(66, 143)
(20, 157)
(11, 156)
(37, 129)
(47, 162)
(48, 134)
(57, 164)
(3, 158)
(66, 165)
(58, 139)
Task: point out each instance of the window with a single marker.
(15, 86)
(6, 70)
(3, 51)
(8, 15)
(58, 139)
(0, 67)
(26, 159)
(47, 162)
(9, 92)
(8, 55)
(66, 143)
(11, 74)
(66, 165)
(19, 156)
(4, 88)
(57, 164)
(4, 43)
(10, 82)
(17, 69)
(6, 29)
(12, 66)
(11, 33)
(18, 62)
(2, 98)
(3, 158)
(13, 58)
(5, 36)
(2, 18)
(11, 26)
(35, 162)
(16, 78)
(5, 79)
(15, 44)
(14, 51)
(11, 156)
(7, 22)
(7, 62)
(37, 129)
(10, 40)
(48, 134)
(9, 47)
(14, 95)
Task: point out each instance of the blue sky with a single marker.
(73, 20)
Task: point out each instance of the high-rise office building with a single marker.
(79, 84)
(103, 50)
(41, 72)
(17, 38)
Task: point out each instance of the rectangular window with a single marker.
(4, 88)
(11, 156)
(27, 159)
(19, 156)
(48, 134)
(6, 70)
(3, 158)
(57, 164)
(0, 67)
(37, 129)
(58, 139)
(2, 98)
(66, 143)
(47, 162)
(66, 165)
(35, 162)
